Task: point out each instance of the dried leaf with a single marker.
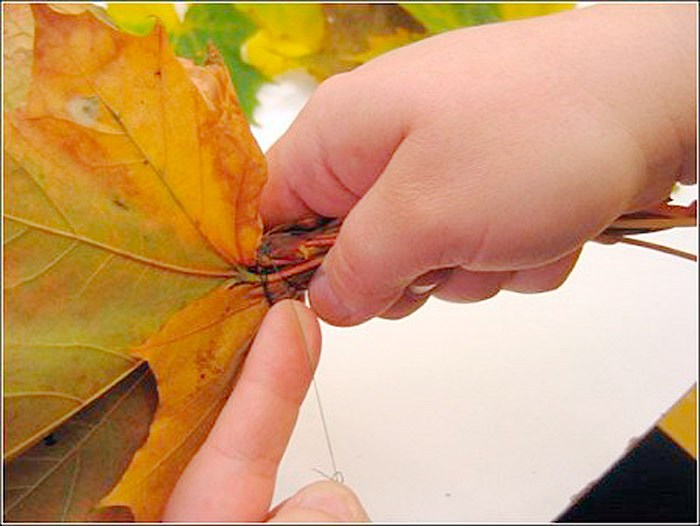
(191, 138)
(437, 17)
(17, 43)
(62, 477)
(131, 190)
(378, 44)
(227, 28)
(194, 357)
(204, 24)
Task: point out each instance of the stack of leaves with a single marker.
(131, 234)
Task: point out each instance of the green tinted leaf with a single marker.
(106, 237)
(227, 28)
(437, 18)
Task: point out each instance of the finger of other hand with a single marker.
(232, 476)
(323, 501)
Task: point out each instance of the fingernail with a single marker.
(325, 301)
(420, 290)
(334, 500)
(299, 315)
(305, 324)
(425, 283)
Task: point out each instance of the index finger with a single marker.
(232, 476)
(334, 150)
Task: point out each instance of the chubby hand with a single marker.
(483, 159)
(232, 477)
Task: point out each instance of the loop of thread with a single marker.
(337, 476)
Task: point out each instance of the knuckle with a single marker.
(329, 93)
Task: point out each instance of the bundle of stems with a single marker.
(290, 254)
(662, 216)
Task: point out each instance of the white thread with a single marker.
(337, 474)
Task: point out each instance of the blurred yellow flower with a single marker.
(140, 18)
(285, 34)
(518, 10)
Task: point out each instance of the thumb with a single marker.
(371, 263)
(396, 235)
(323, 501)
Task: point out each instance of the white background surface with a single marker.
(501, 410)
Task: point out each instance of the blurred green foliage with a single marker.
(259, 41)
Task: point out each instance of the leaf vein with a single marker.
(159, 173)
(103, 264)
(11, 454)
(125, 356)
(46, 195)
(199, 272)
(71, 487)
(75, 448)
(100, 128)
(197, 330)
(46, 394)
(17, 33)
(28, 458)
(17, 235)
(45, 269)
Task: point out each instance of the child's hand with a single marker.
(483, 159)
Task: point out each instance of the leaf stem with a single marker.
(653, 223)
(293, 271)
(647, 244)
